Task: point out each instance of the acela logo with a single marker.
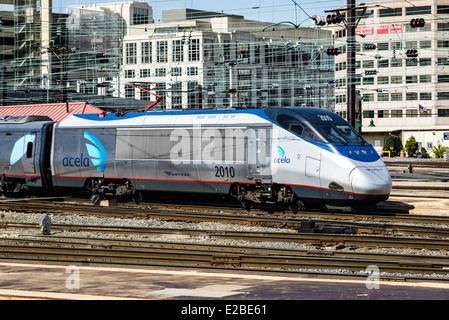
(96, 151)
(20, 147)
(282, 158)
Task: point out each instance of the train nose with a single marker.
(371, 181)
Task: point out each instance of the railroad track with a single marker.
(335, 254)
(148, 254)
(322, 222)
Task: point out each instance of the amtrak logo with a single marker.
(96, 151)
(20, 147)
(282, 158)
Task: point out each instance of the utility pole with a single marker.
(350, 26)
(350, 62)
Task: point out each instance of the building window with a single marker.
(417, 10)
(425, 62)
(397, 96)
(443, 78)
(383, 97)
(425, 44)
(178, 51)
(411, 79)
(368, 81)
(409, 96)
(396, 79)
(411, 113)
(443, 9)
(383, 80)
(131, 50)
(396, 45)
(368, 64)
(425, 78)
(130, 92)
(444, 26)
(176, 93)
(368, 97)
(144, 73)
(411, 45)
(443, 113)
(443, 43)
(194, 50)
(396, 113)
(391, 12)
(396, 62)
(382, 46)
(161, 51)
(208, 50)
(443, 61)
(443, 95)
(383, 113)
(383, 63)
(413, 62)
(425, 96)
(176, 71)
(140, 16)
(192, 71)
(160, 72)
(368, 114)
(129, 74)
(160, 91)
(146, 52)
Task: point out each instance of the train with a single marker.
(298, 157)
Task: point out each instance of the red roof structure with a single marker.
(55, 111)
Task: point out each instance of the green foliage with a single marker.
(393, 145)
(438, 150)
(411, 146)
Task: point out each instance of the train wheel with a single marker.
(95, 198)
(296, 205)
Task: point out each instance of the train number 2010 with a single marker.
(224, 172)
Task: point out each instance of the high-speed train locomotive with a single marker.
(296, 156)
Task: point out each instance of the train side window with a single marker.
(29, 149)
(291, 124)
(297, 127)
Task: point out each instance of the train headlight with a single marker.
(335, 186)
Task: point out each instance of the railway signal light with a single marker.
(319, 20)
(334, 18)
(370, 72)
(417, 23)
(411, 53)
(332, 51)
(369, 46)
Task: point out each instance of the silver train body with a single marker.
(292, 156)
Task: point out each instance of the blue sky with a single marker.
(263, 10)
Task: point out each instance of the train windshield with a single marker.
(341, 133)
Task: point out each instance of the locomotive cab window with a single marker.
(341, 133)
(301, 129)
(29, 149)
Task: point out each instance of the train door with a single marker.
(29, 157)
(313, 168)
(259, 154)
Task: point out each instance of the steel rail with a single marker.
(213, 260)
(315, 239)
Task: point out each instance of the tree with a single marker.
(393, 145)
(411, 146)
(438, 150)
